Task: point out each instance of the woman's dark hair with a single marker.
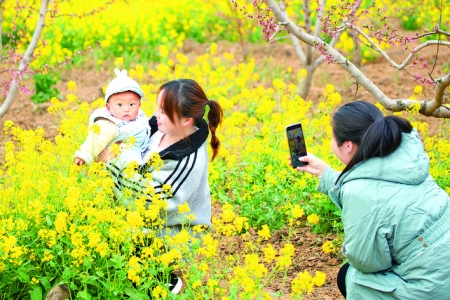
(185, 98)
(365, 125)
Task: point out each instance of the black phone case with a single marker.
(296, 141)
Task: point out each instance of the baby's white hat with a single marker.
(122, 83)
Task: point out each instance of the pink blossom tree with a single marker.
(12, 58)
(14, 62)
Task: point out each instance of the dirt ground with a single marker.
(308, 253)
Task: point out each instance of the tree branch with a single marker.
(333, 42)
(435, 31)
(295, 42)
(26, 57)
(319, 17)
(307, 20)
(408, 58)
(298, 49)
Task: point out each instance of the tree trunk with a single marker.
(26, 58)
(305, 85)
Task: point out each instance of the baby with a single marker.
(120, 120)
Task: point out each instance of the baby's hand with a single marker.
(79, 161)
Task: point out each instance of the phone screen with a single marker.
(296, 141)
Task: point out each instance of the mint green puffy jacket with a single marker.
(397, 226)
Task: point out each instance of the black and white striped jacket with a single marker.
(185, 169)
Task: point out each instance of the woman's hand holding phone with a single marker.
(314, 166)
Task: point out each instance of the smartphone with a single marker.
(296, 141)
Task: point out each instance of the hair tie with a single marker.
(209, 102)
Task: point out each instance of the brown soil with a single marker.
(308, 253)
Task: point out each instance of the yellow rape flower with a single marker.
(418, 89)
(278, 84)
(329, 89)
(313, 219)
(7, 125)
(119, 62)
(95, 128)
(72, 86)
(134, 219)
(196, 284)
(227, 213)
(264, 232)
(159, 293)
(228, 56)
(328, 247)
(269, 253)
(60, 222)
(213, 49)
(183, 59)
(163, 51)
(297, 211)
(212, 283)
(320, 278)
(140, 71)
(167, 189)
(302, 282)
(184, 208)
(302, 74)
(203, 267)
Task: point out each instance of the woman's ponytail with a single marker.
(215, 116)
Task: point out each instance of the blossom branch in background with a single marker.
(432, 107)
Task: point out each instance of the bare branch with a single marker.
(307, 20)
(298, 49)
(307, 14)
(295, 42)
(333, 42)
(410, 56)
(438, 30)
(8, 70)
(276, 39)
(276, 31)
(435, 31)
(319, 17)
(338, 34)
(440, 94)
(26, 57)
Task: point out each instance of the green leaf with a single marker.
(90, 280)
(49, 220)
(36, 293)
(87, 263)
(100, 273)
(73, 286)
(45, 282)
(67, 273)
(136, 295)
(84, 295)
(23, 277)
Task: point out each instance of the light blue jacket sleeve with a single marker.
(327, 186)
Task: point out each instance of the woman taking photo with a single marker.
(396, 218)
